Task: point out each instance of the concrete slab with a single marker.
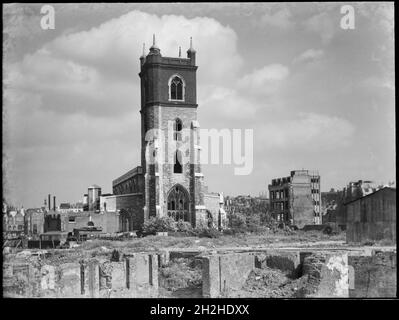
(69, 283)
(328, 275)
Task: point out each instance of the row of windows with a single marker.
(14, 227)
(178, 215)
(279, 194)
(281, 217)
(315, 191)
(280, 206)
(314, 180)
(178, 204)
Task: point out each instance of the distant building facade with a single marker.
(372, 217)
(14, 220)
(246, 204)
(333, 209)
(94, 193)
(34, 221)
(357, 189)
(296, 199)
(64, 207)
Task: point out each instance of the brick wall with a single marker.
(302, 205)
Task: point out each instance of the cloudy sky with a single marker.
(317, 96)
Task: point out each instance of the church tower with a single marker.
(173, 181)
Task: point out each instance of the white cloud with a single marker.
(379, 82)
(225, 103)
(309, 55)
(266, 80)
(310, 131)
(324, 25)
(280, 19)
(116, 45)
(96, 71)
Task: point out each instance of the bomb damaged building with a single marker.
(295, 200)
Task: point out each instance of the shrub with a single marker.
(253, 223)
(237, 222)
(208, 233)
(155, 224)
(184, 226)
(229, 232)
(180, 273)
(368, 243)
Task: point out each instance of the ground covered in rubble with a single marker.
(181, 278)
(238, 240)
(104, 248)
(271, 283)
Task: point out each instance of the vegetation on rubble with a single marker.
(156, 224)
(180, 273)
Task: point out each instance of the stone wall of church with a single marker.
(165, 117)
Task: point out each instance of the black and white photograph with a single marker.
(199, 151)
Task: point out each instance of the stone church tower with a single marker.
(173, 181)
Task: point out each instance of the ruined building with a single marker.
(296, 200)
(333, 209)
(357, 189)
(372, 217)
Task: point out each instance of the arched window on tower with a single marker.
(176, 88)
(178, 168)
(178, 126)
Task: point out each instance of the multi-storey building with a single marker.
(295, 199)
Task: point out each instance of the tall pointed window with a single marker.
(178, 126)
(176, 87)
(178, 168)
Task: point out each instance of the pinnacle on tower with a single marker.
(143, 55)
(179, 52)
(191, 52)
(154, 48)
(154, 45)
(191, 49)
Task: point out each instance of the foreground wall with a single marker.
(135, 276)
(225, 273)
(374, 275)
(336, 274)
(323, 274)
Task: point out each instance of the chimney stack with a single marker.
(54, 203)
(49, 202)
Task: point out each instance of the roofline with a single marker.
(370, 194)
